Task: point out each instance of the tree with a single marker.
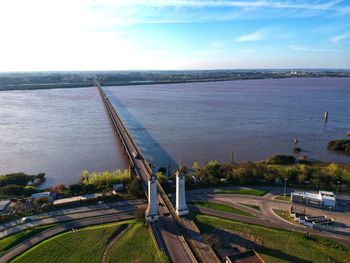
(135, 187)
(75, 188)
(29, 190)
(12, 189)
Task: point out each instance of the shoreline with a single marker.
(138, 83)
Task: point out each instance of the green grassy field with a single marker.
(10, 241)
(256, 207)
(221, 207)
(135, 245)
(283, 198)
(281, 245)
(255, 192)
(84, 245)
(285, 215)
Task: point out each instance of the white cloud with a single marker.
(309, 49)
(339, 38)
(307, 5)
(255, 36)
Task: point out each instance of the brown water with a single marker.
(61, 132)
(253, 118)
(58, 132)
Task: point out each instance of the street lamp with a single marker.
(285, 186)
(338, 182)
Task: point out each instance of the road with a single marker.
(20, 248)
(72, 214)
(265, 218)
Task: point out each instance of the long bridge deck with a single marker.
(166, 230)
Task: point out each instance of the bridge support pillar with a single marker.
(152, 209)
(181, 206)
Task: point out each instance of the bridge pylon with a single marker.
(152, 208)
(181, 206)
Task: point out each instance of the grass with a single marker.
(255, 192)
(256, 207)
(84, 245)
(135, 245)
(221, 207)
(284, 214)
(10, 241)
(281, 245)
(283, 197)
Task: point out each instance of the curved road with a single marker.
(265, 218)
(20, 248)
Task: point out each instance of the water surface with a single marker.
(253, 118)
(59, 132)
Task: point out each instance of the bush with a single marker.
(340, 145)
(29, 190)
(76, 188)
(20, 179)
(281, 159)
(135, 187)
(103, 180)
(12, 189)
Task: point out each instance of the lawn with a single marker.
(283, 198)
(135, 245)
(284, 214)
(222, 207)
(256, 207)
(255, 192)
(10, 241)
(83, 245)
(281, 245)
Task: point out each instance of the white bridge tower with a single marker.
(181, 206)
(152, 208)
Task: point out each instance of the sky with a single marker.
(60, 35)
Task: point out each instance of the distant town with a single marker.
(67, 79)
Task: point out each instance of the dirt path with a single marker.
(119, 233)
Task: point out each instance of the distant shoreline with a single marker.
(38, 81)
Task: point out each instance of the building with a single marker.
(49, 195)
(246, 257)
(322, 198)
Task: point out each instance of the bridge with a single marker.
(165, 230)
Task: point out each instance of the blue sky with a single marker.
(179, 34)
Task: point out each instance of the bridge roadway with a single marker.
(165, 230)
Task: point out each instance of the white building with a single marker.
(322, 198)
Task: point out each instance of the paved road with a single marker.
(17, 250)
(72, 214)
(266, 218)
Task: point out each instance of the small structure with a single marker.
(246, 257)
(49, 195)
(323, 198)
(152, 208)
(118, 188)
(181, 206)
(74, 199)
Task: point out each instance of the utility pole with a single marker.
(338, 182)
